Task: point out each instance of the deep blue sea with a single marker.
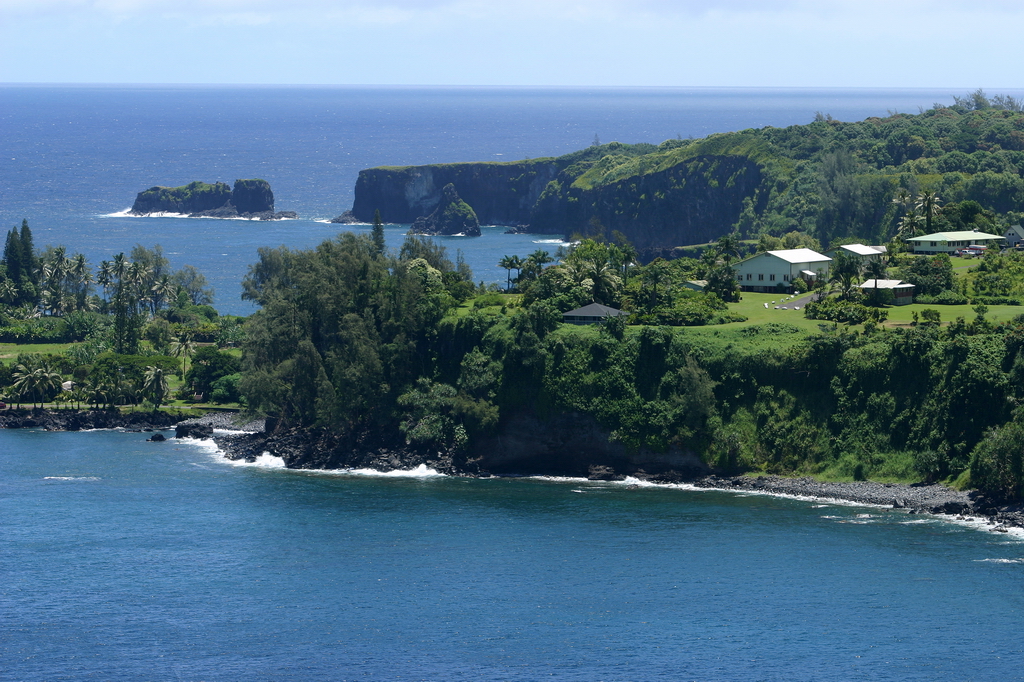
(71, 156)
(128, 560)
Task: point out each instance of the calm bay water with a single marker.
(70, 156)
(127, 560)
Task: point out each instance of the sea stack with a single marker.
(453, 216)
(252, 199)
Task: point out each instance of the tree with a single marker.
(377, 234)
(154, 386)
(183, 347)
(928, 206)
(194, 284)
(728, 246)
(36, 378)
(846, 269)
(722, 281)
(506, 263)
(535, 263)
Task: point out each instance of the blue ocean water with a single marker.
(70, 156)
(128, 560)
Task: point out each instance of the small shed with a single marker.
(696, 284)
(902, 292)
(591, 314)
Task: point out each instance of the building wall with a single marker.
(764, 272)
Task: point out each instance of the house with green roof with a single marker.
(951, 242)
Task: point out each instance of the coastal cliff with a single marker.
(828, 179)
(251, 199)
(675, 193)
(500, 193)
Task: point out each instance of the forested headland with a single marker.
(360, 353)
(829, 179)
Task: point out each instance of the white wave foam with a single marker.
(264, 461)
(119, 214)
(71, 478)
(422, 471)
(552, 241)
(557, 479)
(1000, 561)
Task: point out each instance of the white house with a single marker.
(774, 271)
(1014, 236)
(951, 242)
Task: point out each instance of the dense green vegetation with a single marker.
(375, 345)
(829, 179)
(116, 336)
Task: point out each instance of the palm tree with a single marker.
(183, 347)
(651, 276)
(728, 247)
(536, 261)
(163, 290)
(517, 265)
(605, 280)
(506, 262)
(846, 270)
(8, 291)
(81, 278)
(105, 277)
(154, 386)
(35, 377)
(928, 205)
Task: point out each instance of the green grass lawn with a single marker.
(752, 306)
(903, 315)
(9, 352)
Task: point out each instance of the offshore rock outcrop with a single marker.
(250, 199)
(453, 216)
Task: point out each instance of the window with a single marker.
(785, 278)
(771, 277)
(749, 276)
(760, 277)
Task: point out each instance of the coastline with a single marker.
(917, 498)
(247, 441)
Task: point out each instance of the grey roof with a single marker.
(595, 310)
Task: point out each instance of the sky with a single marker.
(727, 43)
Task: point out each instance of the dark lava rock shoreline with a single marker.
(319, 450)
(301, 451)
(79, 420)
